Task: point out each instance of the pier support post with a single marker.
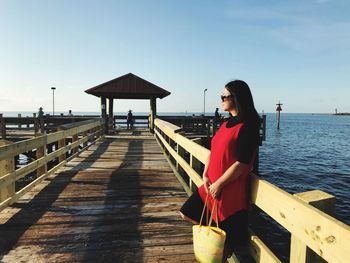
(299, 252)
(36, 124)
(104, 113)
(61, 144)
(110, 113)
(85, 133)
(180, 151)
(40, 152)
(74, 139)
(19, 122)
(7, 166)
(2, 127)
(153, 112)
(195, 164)
(42, 125)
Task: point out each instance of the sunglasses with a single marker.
(223, 98)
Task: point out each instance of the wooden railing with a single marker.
(309, 226)
(35, 124)
(120, 120)
(81, 134)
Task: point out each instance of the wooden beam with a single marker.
(104, 113)
(188, 169)
(2, 127)
(325, 235)
(259, 251)
(7, 166)
(17, 148)
(27, 145)
(23, 171)
(41, 152)
(110, 113)
(153, 113)
(198, 151)
(299, 252)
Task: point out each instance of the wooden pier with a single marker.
(118, 201)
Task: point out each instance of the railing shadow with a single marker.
(31, 212)
(114, 236)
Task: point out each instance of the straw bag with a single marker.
(208, 241)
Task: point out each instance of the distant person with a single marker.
(217, 114)
(216, 120)
(226, 172)
(129, 120)
(41, 119)
(70, 113)
(40, 113)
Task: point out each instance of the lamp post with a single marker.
(204, 103)
(53, 101)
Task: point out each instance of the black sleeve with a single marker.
(247, 143)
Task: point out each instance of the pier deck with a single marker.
(118, 201)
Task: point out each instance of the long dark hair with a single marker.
(243, 102)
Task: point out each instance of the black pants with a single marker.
(235, 226)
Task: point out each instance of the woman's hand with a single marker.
(206, 183)
(215, 190)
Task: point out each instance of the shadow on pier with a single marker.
(116, 201)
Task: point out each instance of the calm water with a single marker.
(308, 152)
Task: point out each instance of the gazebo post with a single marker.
(110, 113)
(153, 113)
(104, 113)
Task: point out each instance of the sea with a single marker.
(308, 152)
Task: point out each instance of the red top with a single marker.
(223, 154)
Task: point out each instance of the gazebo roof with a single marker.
(128, 86)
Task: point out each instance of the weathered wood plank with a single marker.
(304, 221)
(118, 201)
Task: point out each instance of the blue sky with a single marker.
(294, 51)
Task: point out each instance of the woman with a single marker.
(225, 176)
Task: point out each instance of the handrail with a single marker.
(325, 235)
(90, 130)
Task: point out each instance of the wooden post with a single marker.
(6, 166)
(299, 252)
(85, 133)
(153, 112)
(104, 113)
(208, 128)
(74, 139)
(194, 162)
(42, 125)
(110, 113)
(181, 152)
(61, 143)
(19, 121)
(41, 152)
(2, 127)
(36, 124)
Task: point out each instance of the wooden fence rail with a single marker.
(89, 130)
(35, 124)
(309, 226)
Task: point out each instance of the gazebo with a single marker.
(128, 86)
